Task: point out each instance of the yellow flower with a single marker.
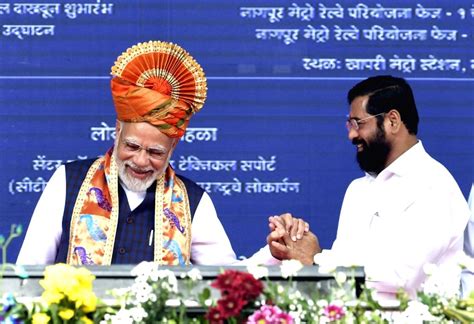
(88, 301)
(52, 297)
(66, 314)
(73, 284)
(40, 318)
(86, 320)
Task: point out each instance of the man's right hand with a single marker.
(283, 247)
(295, 227)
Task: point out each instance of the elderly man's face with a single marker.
(142, 153)
(372, 145)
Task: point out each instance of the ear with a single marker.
(395, 121)
(117, 126)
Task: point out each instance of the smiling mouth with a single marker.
(140, 174)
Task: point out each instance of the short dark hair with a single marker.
(386, 93)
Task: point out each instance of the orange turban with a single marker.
(159, 83)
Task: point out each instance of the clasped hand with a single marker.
(290, 238)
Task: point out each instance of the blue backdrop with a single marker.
(271, 136)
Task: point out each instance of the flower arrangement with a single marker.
(148, 299)
(239, 297)
(67, 296)
(238, 290)
(235, 296)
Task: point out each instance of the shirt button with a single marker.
(129, 220)
(122, 250)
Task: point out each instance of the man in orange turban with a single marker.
(129, 205)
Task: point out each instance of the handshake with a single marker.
(290, 238)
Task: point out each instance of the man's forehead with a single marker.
(358, 106)
(149, 137)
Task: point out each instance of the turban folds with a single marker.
(159, 83)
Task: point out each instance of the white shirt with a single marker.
(209, 245)
(411, 214)
(468, 276)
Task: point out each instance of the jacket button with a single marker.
(129, 220)
(122, 250)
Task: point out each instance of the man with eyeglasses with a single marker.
(407, 211)
(129, 205)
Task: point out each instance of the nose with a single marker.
(352, 134)
(141, 159)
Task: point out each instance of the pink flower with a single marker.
(270, 315)
(333, 312)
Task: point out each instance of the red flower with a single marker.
(224, 281)
(230, 305)
(237, 290)
(236, 283)
(214, 316)
(251, 287)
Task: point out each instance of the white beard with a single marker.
(130, 182)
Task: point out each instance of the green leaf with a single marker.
(19, 229)
(2, 240)
(460, 315)
(204, 295)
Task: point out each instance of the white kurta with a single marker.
(413, 213)
(468, 274)
(209, 246)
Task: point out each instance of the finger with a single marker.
(286, 239)
(287, 219)
(276, 222)
(281, 248)
(272, 223)
(276, 235)
(271, 226)
(302, 227)
(294, 229)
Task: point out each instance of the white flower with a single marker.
(257, 271)
(144, 268)
(194, 274)
(141, 292)
(290, 268)
(322, 303)
(416, 312)
(123, 316)
(296, 317)
(340, 277)
(443, 280)
(138, 314)
(280, 289)
(295, 295)
(171, 283)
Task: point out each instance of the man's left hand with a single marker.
(283, 247)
